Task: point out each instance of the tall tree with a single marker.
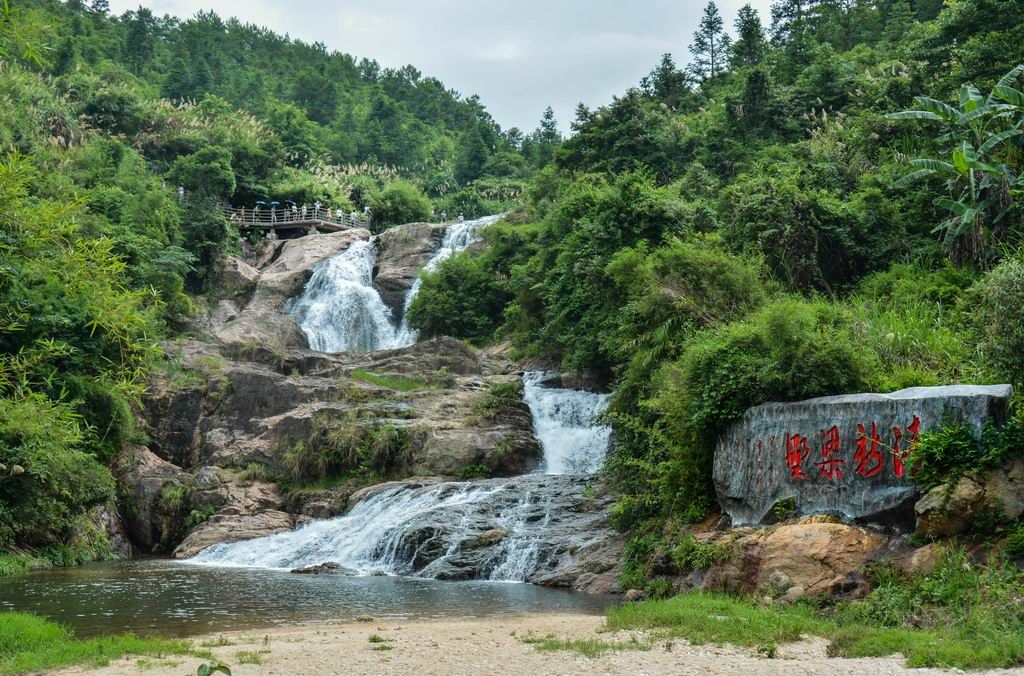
(473, 154)
(791, 23)
(749, 49)
(710, 44)
(178, 83)
(546, 138)
(666, 83)
(139, 43)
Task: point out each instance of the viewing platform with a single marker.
(284, 220)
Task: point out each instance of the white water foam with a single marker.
(565, 423)
(339, 310)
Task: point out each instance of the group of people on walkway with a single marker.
(283, 212)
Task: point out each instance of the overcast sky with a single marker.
(520, 56)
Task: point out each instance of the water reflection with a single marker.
(169, 598)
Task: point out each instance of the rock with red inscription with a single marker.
(844, 455)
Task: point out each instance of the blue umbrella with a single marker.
(275, 204)
(261, 203)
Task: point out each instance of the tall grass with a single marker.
(31, 644)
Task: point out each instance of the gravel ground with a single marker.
(489, 646)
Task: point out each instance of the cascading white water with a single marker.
(564, 422)
(499, 530)
(457, 238)
(503, 529)
(339, 310)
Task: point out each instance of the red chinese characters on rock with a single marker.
(797, 451)
(869, 452)
(867, 456)
(831, 466)
(899, 453)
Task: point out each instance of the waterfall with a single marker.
(339, 310)
(564, 422)
(457, 238)
(502, 530)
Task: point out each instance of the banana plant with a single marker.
(982, 163)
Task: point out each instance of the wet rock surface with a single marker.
(844, 455)
(402, 253)
(236, 411)
(260, 288)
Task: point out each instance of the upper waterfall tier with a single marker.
(340, 310)
(458, 237)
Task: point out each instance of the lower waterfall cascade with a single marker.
(497, 529)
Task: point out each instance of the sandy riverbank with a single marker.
(484, 646)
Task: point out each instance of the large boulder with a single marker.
(973, 502)
(402, 253)
(152, 492)
(844, 455)
(792, 560)
(227, 528)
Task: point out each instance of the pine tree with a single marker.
(100, 6)
(710, 44)
(791, 27)
(749, 49)
(177, 85)
(898, 21)
(139, 41)
(469, 165)
(666, 83)
(547, 137)
(202, 78)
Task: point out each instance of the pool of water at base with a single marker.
(173, 599)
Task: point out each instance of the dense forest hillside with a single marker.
(103, 119)
(825, 200)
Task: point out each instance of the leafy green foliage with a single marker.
(982, 165)
(943, 455)
(996, 318)
(399, 203)
(462, 299)
(351, 449)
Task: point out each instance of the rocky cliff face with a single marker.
(223, 421)
(259, 287)
(402, 253)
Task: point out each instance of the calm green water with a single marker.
(176, 599)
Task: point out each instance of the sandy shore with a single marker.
(485, 646)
